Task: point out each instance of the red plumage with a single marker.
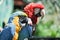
(29, 9)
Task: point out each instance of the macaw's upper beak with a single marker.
(42, 13)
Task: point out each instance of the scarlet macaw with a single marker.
(34, 12)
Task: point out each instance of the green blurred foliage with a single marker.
(50, 24)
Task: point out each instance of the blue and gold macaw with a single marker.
(17, 27)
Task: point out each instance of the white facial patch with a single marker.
(22, 24)
(36, 10)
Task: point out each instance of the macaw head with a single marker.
(35, 9)
(39, 12)
(23, 21)
(18, 18)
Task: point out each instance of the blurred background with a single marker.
(49, 26)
